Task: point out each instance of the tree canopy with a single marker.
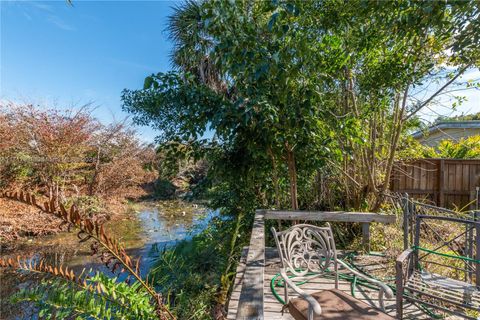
(297, 85)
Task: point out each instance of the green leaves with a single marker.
(292, 9)
(465, 148)
(262, 70)
(103, 298)
(272, 20)
(174, 103)
(148, 82)
(315, 77)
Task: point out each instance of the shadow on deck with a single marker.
(252, 297)
(272, 308)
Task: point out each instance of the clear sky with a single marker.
(57, 55)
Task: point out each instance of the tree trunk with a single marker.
(397, 130)
(275, 179)
(292, 173)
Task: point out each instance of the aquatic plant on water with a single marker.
(62, 293)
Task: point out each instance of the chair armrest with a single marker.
(388, 291)
(311, 300)
(404, 256)
(384, 289)
(401, 274)
(402, 268)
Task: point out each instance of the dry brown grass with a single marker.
(19, 220)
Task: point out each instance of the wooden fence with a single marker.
(444, 182)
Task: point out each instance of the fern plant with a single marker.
(64, 294)
(103, 298)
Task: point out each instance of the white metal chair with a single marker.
(309, 252)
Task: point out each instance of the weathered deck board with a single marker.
(237, 286)
(332, 216)
(250, 304)
(272, 308)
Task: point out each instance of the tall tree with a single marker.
(298, 84)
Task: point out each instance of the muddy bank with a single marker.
(18, 220)
(146, 228)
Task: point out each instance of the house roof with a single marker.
(443, 125)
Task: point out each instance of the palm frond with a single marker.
(192, 45)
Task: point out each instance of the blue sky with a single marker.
(53, 54)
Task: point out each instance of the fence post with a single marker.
(251, 301)
(470, 266)
(441, 186)
(477, 243)
(473, 200)
(477, 198)
(405, 207)
(412, 220)
(366, 236)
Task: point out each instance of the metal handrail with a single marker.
(452, 219)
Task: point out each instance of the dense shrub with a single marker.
(465, 148)
(64, 153)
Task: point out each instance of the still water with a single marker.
(145, 230)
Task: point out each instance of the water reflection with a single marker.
(144, 231)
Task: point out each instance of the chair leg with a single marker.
(310, 313)
(399, 298)
(400, 288)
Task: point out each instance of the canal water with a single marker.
(145, 229)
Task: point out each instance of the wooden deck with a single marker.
(252, 298)
(273, 308)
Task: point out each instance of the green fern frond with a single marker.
(114, 255)
(103, 298)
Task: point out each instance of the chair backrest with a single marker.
(306, 249)
(460, 243)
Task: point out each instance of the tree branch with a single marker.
(423, 104)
